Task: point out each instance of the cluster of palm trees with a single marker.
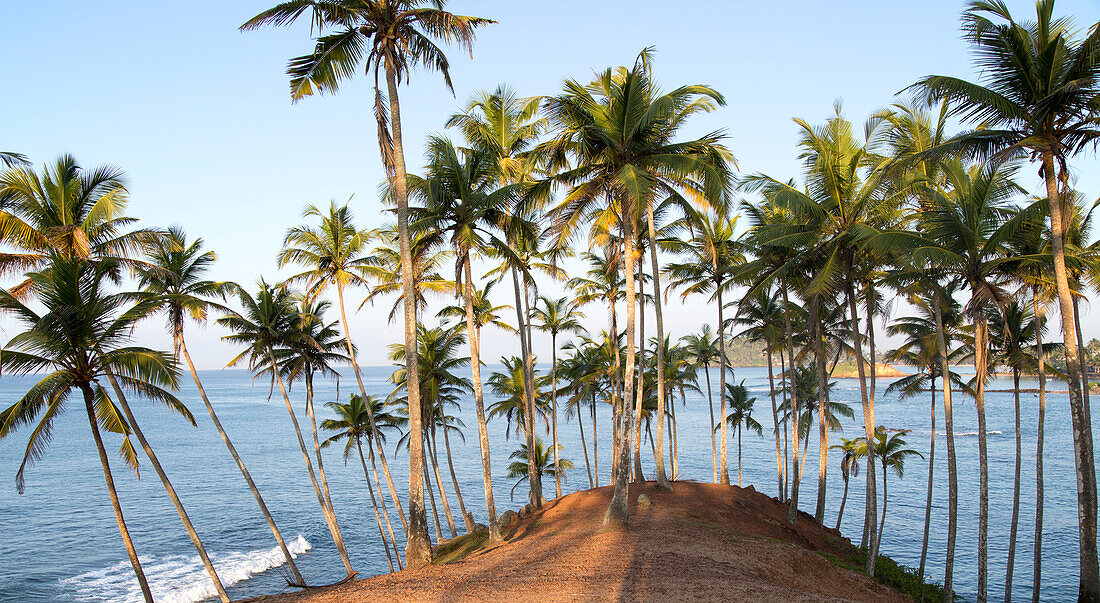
(908, 209)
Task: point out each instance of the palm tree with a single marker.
(174, 280)
(891, 453)
(546, 465)
(509, 386)
(391, 36)
(352, 424)
(557, 316)
(740, 416)
(333, 254)
(712, 258)
(12, 159)
(384, 271)
(81, 338)
(849, 468)
(1038, 97)
(264, 325)
(703, 349)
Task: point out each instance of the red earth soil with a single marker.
(700, 542)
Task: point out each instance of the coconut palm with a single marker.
(353, 423)
(12, 159)
(891, 453)
(511, 404)
(1038, 97)
(703, 348)
(390, 36)
(849, 467)
(267, 322)
(384, 271)
(557, 316)
(545, 464)
(485, 313)
(82, 337)
(333, 253)
(740, 416)
(175, 280)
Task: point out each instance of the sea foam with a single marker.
(177, 578)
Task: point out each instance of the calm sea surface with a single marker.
(59, 541)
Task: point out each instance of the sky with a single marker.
(199, 114)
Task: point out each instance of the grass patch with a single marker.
(889, 572)
(457, 549)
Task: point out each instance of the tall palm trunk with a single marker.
(375, 435)
(374, 504)
(795, 414)
(529, 365)
(882, 520)
(479, 404)
(169, 489)
(382, 502)
(1085, 463)
(675, 440)
(320, 461)
(869, 430)
(143, 583)
(928, 495)
(639, 392)
(952, 474)
(713, 440)
(723, 463)
(182, 346)
(584, 446)
(595, 444)
(432, 452)
(738, 455)
(823, 426)
(617, 511)
(1040, 355)
(330, 520)
(467, 519)
(779, 465)
(843, 501)
(554, 408)
(418, 548)
(431, 496)
(786, 440)
(1015, 489)
(662, 478)
(1081, 352)
(535, 495)
(981, 368)
(870, 302)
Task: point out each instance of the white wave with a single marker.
(974, 433)
(178, 578)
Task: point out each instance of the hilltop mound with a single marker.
(698, 542)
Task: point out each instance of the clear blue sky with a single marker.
(199, 114)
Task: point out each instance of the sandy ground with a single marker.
(700, 542)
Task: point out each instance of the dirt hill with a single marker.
(698, 542)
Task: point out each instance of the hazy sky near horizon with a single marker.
(199, 114)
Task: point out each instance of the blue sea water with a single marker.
(60, 542)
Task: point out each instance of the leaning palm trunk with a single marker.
(981, 351)
(169, 489)
(823, 426)
(374, 504)
(529, 381)
(595, 444)
(375, 435)
(431, 496)
(952, 477)
(1081, 351)
(418, 549)
(786, 440)
(662, 479)
(474, 339)
(775, 423)
(796, 412)
(639, 393)
(723, 450)
(385, 513)
(554, 405)
(122, 529)
(430, 440)
(466, 517)
(928, 496)
(1089, 588)
(535, 495)
(1040, 355)
(321, 467)
(617, 512)
(1015, 489)
(584, 445)
(882, 519)
(869, 430)
(713, 440)
(330, 520)
(843, 501)
(240, 464)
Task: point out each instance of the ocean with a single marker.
(60, 542)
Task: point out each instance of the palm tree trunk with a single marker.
(1015, 489)
(786, 440)
(928, 496)
(882, 520)
(662, 479)
(675, 440)
(182, 346)
(334, 529)
(535, 494)
(122, 529)
(375, 435)
(952, 477)
(554, 408)
(639, 393)
(713, 440)
(780, 467)
(723, 409)
(595, 444)
(374, 504)
(434, 457)
(1081, 352)
(418, 548)
(843, 501)
(1040, 355)
(466, 518)
(795, 414)
(431, 496)
(617, 511)
(870, 296)
(382, 501)
(1089, 587)
(822, 407)
(529, 365)
(479, 404)
(321, 464)
(584, 446)
(981, 368)
(869, 429)
(739, 456)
